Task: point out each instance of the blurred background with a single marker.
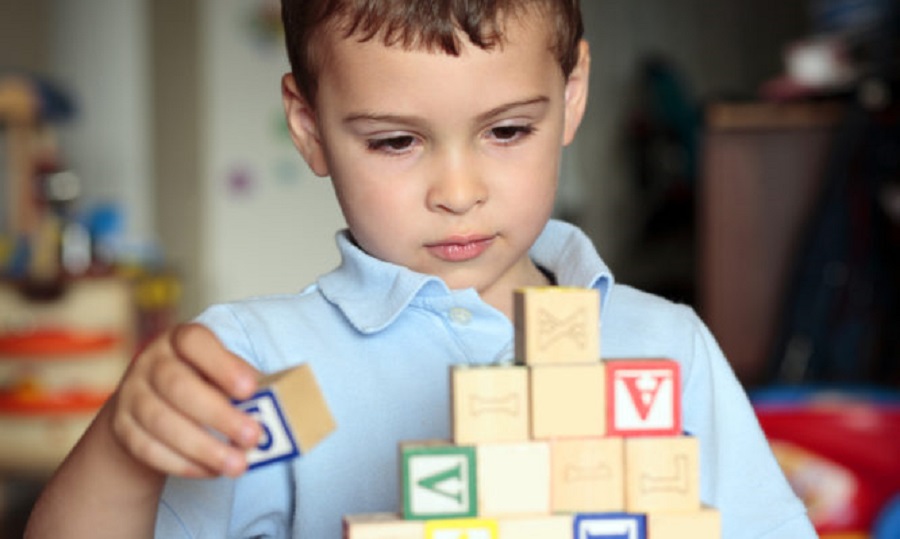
(739, 156)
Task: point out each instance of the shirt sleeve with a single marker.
(225, 507)
(740, 476)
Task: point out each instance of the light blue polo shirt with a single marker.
(381, 338)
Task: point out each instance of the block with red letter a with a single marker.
(643, 397)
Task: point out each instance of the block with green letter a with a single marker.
(438, 480)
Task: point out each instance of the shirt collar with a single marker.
(372, 293)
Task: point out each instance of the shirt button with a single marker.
(460, 316)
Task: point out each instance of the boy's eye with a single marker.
(510, 133)
(396, 144)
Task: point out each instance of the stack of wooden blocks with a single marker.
(560, 445)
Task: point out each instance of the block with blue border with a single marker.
(293, 414)
(610, 526)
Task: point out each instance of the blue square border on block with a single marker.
(269, 431)
(610, 526)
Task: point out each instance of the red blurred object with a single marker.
(839, 449)
(50, 341)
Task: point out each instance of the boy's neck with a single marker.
(502, 300)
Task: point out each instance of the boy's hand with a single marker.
(177, 389)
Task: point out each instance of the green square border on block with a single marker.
(412, 452)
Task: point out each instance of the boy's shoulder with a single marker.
(635, 322)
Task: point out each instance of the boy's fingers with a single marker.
(158, 451)
(178, 440)
(199, 403)
(199, 346)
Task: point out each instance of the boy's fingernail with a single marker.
(243, 385)
(249, 435)
(234, 464)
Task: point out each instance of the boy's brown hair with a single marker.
(418, 24)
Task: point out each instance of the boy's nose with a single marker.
(457, 186)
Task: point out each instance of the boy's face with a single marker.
(446, 165)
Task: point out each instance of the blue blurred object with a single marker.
(887, 526)
(847, 15)
(55, 103)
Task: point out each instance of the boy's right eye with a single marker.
(396, 144)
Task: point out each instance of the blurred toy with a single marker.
(838, 449)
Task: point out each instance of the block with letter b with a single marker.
(292, 412)
(643, 397)
(438, 480)
(557, 324)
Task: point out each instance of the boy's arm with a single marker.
(157, 423)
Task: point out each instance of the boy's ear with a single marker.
(302, 124)
(577, 92)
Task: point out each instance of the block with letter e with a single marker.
(462, 528)
(438, 480)
(643, 397)
(293, 414)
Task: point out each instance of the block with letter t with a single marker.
(292, 412)
(643, 397)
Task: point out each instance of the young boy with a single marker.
(440, 124)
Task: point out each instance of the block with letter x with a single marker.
(438, 480)
(556, 324)
(643, 397)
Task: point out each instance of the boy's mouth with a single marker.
(460, 248)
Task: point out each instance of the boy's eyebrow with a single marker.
(403, 119)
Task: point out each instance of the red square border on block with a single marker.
(643, 397)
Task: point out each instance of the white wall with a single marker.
(270, 223)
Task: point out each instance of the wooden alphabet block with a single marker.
(662, 474)
(588, 474)
(293, 414)
(490, 404)
(644, 397)
(463, 528)
(610, 526)
(557, 324)
(536, 527)
(382, 526)
(702, 524)
(438, 480)
(568, 400)
(513, 478)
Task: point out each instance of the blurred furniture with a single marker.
(762, 173)
(59, 361)
(65, 339)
